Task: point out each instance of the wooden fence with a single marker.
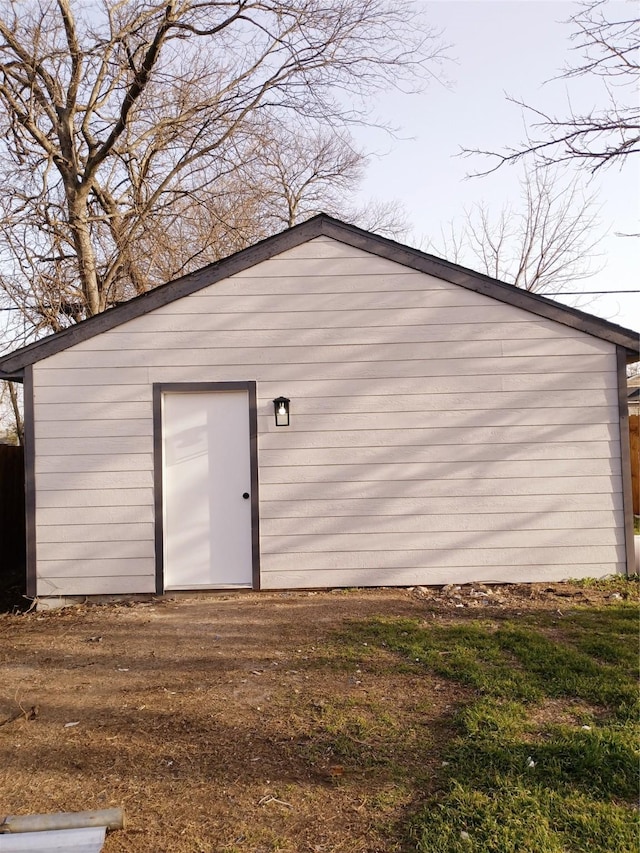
(12, 528)
(634, 436)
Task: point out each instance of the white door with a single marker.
(206, 488)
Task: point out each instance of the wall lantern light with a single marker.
(281, 406)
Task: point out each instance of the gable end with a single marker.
(12, 365)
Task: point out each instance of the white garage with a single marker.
(326, 408)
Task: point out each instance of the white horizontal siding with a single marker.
(113, 549)
(532, 452)
(49, 378)
(504, 505)
(527, 334)
(61, 395)
(476, 402)
(59, 411)
(485, 523)
(96, 515)
(79, 382)
(388, 436)
(446, 488)
(108, 428)
(480, 418)
(95, 445)
(97, 532)
(436, 359)
(313, 543)
(236, 325)
(428, 558)
(98, 568)
(547, 471)
(84, 583)
(338, 283)
(211, 302)
(334, 470)
(288, 321)
(436, 434)
(102, 462)
(568, 346)
(293, 369)
(473, 401)
(86, 499)
(97, 480)
(316, 578)
(541, 383)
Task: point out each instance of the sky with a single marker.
(501, 48)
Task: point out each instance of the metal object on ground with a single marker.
(107, 818)
(84, 840)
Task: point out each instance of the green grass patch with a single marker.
(546, 746)
(528, 818)
(362, 735)
(623, 584)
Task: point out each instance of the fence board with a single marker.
(12, 527)
(634, 441)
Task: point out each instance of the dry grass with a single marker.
(236, 722)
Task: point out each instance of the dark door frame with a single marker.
(161, 388)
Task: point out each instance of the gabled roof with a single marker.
(13, 364)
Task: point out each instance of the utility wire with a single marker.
(586, 292)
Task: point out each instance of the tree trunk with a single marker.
(13, 396)
(79, 222)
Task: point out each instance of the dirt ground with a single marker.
(233, 722)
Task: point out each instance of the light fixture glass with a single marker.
(281, 407)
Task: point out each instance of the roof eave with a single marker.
(11, 377)
(496, 289)
(164, 294)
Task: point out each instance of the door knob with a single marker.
(246, 496)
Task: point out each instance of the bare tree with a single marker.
(123, 124)
(545, 244)
(306, 174)
(11, 413)
(315, 173)
(602, 136)
(283, 176)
